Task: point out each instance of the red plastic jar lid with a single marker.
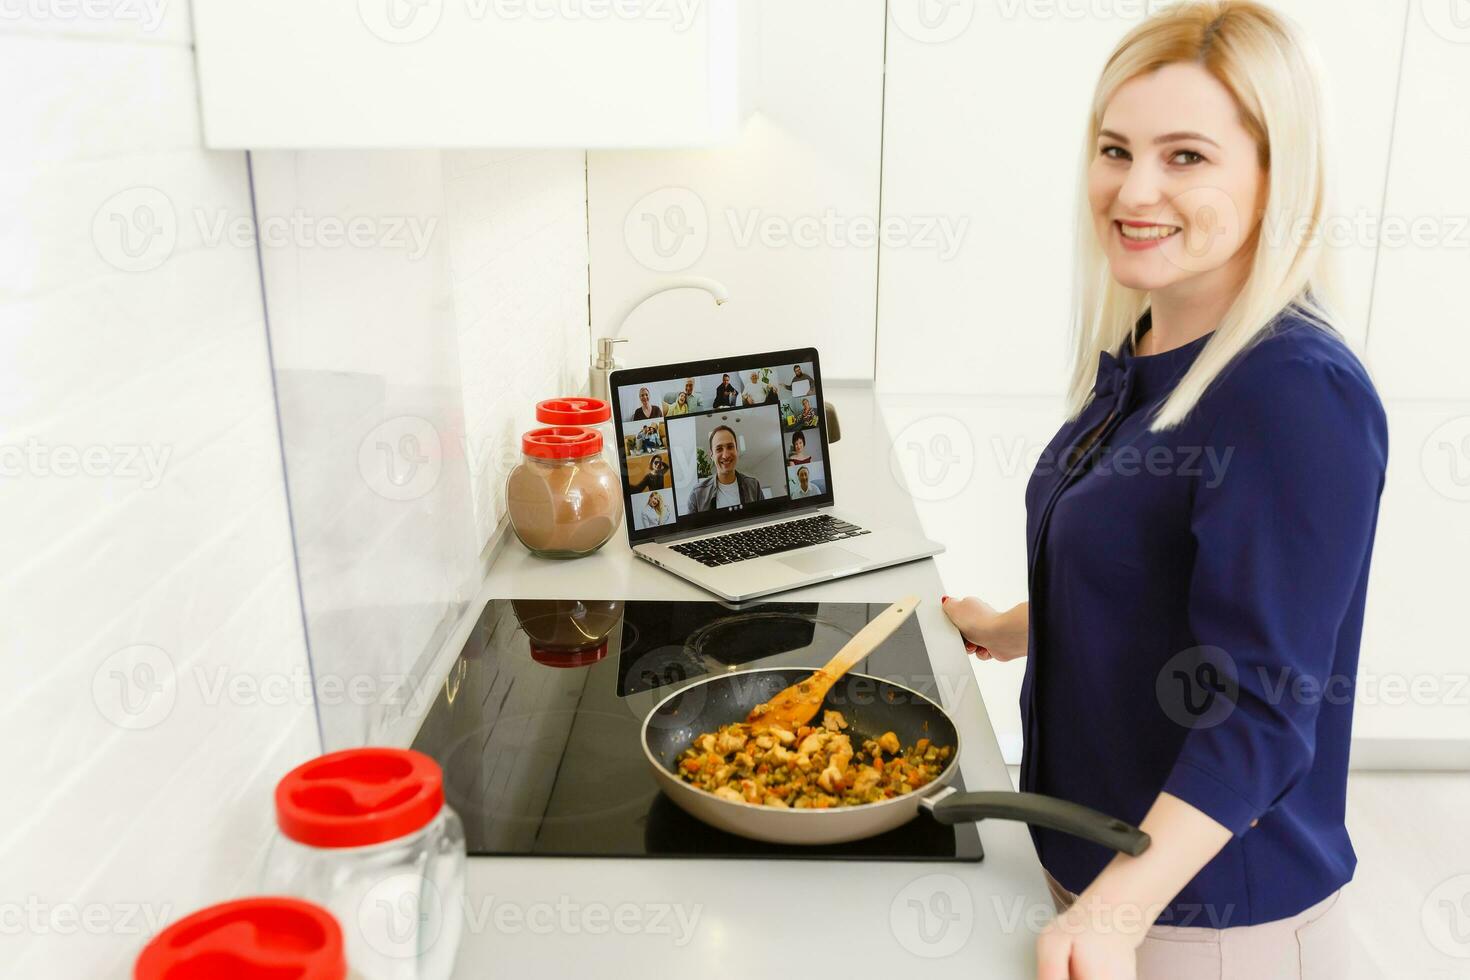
(552, 657)
(573, 411)
(251, 939)
(359, 797)
(561, 442)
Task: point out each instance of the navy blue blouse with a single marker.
(1196, 609)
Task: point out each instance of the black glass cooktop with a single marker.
(539, 723)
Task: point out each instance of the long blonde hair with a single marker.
(1262, 59)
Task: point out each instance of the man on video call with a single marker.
(694, 401)
(727, 487)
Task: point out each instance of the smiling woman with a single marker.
(1168, 609)
(1184, 188)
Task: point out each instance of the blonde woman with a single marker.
(1199, 530)
(653, 514)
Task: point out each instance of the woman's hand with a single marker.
(1098, 936)
(1073, 948)
(989, 633)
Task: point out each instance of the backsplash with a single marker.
(407, 362)
(517, 225)
(152, 650)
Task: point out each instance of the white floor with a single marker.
(1410, 899)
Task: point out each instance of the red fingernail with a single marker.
(944, 598)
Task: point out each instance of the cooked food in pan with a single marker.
(810, 768)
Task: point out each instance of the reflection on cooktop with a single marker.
(539, 724)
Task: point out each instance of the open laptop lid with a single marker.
(708, 443)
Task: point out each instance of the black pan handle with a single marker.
(954, 807)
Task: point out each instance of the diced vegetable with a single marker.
(813, 768)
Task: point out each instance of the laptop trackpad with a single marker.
(823, 559)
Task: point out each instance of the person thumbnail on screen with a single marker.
(800, 413)
(639, 440)
(727, 459)
(806, 480)
(653, 508)
(759, 387)
(649, 472)
(802, 447)
(796, 381)
(727, 390)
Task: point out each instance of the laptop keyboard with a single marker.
(769, 540)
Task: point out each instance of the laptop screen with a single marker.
(706, 443)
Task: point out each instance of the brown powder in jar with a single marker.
(567, 507)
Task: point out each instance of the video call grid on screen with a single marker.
(777, 455)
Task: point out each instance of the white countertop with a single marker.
(652, 917)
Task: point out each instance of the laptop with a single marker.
(727, 482)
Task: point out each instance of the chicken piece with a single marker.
(706, 743)
(813, 742)
(782, 735)
(833, 721)
(839, 749)
(889, 743)
(764, 741)
(773, 800)
(866, 781)
(831, 779)
(729, 793)
(730, 741)
(753, 793)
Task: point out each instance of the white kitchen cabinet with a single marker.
(1418, 345)
(474, 73)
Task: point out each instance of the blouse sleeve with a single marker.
(1283, 524)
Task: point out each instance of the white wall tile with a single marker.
(113, 809)
(72, 100)
(518, 248)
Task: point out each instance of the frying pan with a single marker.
(871, 707)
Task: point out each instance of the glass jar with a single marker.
(366, 834)
(589, 413)
(569, 632)
(251, 937)
(564, 499)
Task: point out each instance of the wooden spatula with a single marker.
(797, 705)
